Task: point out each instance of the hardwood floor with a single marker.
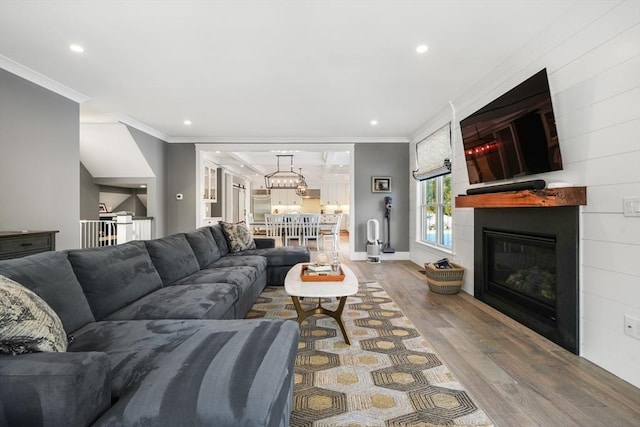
(516, 376)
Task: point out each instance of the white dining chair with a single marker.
(273, 225)
(310, 229)
(291, 227)
(331, 230)
(249, 220)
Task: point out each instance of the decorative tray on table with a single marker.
(307, 274)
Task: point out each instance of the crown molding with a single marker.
(122, 118)
(286, 140)
(41, 80)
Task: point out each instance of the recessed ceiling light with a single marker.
(422, 48)
(373, 122)
(187, 122)
(76, 48)
(143, 185)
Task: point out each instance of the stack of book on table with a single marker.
(318, 269)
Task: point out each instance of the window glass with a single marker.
(436, 212)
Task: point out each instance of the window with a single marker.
(435, 211)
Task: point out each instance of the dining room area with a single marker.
(318, 231)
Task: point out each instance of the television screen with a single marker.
(513, 136)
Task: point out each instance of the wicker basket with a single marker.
(444, 280)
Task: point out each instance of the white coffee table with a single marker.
(297, 288)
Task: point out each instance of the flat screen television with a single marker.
(514, 135)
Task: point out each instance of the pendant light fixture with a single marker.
(286, 179)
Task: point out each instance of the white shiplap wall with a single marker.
(592, 57)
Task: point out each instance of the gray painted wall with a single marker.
(89, 195)
(39, 160)
(381, 159)
(154, 151)
(181, 178)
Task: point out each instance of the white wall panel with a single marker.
(611, 228)
(618, 169)
(604, 311)
(464, 216)
(588, 60)
(602, 142)
(608, 198)
(463, 232)
(613, 81)
(619, 352)
(608, 112)
(612, 285)
(619, 257)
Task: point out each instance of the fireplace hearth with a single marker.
(526, 266)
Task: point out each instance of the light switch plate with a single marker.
(631, 206)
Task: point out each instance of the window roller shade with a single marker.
(433, 154)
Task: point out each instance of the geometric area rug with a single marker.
(388, 376)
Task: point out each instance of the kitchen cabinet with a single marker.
(285, 197)
(342, 194)
(210, 184)
(334, 194)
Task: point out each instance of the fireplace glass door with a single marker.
(522, 268)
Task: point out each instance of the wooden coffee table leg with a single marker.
(302, 314)
(337, 315)
(319, 309)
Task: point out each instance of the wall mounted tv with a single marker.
(513, 136)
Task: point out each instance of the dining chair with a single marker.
(310, 229)
(273, 225)
(331, 229)
(291, 227)
(249, 220)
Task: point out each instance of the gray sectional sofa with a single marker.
(157, 336)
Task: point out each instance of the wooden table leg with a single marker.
(319, 309)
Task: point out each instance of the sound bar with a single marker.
(536, 184)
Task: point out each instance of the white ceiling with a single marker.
(298, 70)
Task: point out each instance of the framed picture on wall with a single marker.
(381, 184)
(102, 208)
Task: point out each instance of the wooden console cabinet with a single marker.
(16, 244)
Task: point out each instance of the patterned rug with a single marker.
(388, 376)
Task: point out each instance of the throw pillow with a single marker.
(238, 235)
(27, 323)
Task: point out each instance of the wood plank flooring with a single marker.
(518, 377)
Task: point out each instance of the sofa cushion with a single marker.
(54, 389)
(220, 238)
(27, 323)
(194, 301)
(255, 261)
(173, 257)
(51, 277)
(204, 246)
(196, 372)
(238, 275)
(239, 237)
(281, 256)
(114, 276)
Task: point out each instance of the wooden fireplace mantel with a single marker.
(546, 198)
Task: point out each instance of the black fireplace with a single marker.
(526, 266)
